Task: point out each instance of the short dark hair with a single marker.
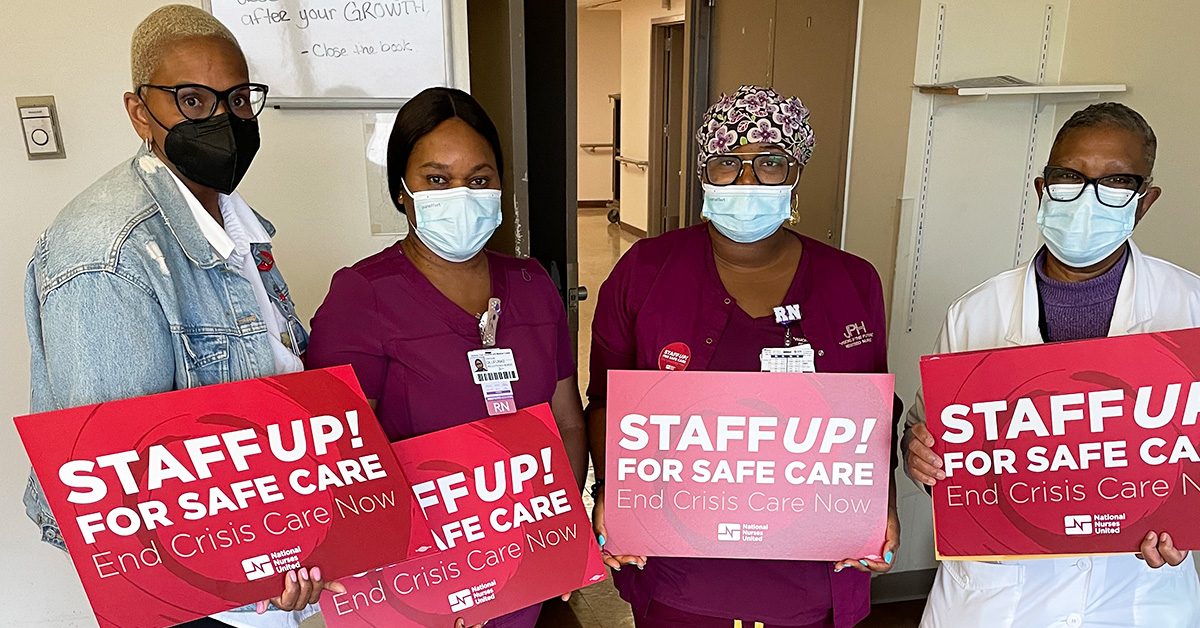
(421, 115)
(1113, 114)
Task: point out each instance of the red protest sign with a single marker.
(180, 505)
(747, 465)
(501, 499)
(1073, 448)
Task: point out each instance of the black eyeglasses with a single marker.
(200, 102)
(768, 168)
(1114, 190)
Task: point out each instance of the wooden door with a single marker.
(814, 59)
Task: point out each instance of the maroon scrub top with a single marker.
(408, 343)
(666, 290)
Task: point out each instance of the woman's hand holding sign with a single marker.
(614, 562)
(301, 587)
(878, 564)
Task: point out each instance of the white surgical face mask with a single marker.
(747, 213)
(455, 223)
(1084, 231)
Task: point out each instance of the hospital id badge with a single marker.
(492, 365)
(796, 359)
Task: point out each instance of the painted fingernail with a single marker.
(316, 573)
(292, 575)
(601, 539)
(837, 569)
(641, 567)
(887, 558)
(863, 563)
(260, 608)
(303, 574)
(618, 568)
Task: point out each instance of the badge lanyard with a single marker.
(493, 369)
(796, 355)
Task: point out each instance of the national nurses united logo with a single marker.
(856, 334)
(742, 532)
(1077, 525)
(472, 596)
(1086, 525)
(729, 532)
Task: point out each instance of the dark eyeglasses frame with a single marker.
(753, 157)
(1095, 183)
(221, 97)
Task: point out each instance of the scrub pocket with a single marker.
(970, 593)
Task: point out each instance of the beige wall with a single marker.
(309, 179)
(879, 147)
(1152, 47)
(636, 17)
(599, 75)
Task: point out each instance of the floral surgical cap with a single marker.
(755, 115)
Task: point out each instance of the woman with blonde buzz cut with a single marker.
(159, 276)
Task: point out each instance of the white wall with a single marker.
(599, 75)
(1152, 48)
(636, 18)
(309, 179)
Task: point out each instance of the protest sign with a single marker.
(747, 465)
(179, 505)
(501, 499)
(1065, 449)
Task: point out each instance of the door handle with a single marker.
(579, 293)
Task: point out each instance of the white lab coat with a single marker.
(1098, 592)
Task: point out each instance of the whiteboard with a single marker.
(349, 51)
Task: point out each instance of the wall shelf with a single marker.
(1046, 95)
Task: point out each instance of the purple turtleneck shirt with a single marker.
(1081, 310)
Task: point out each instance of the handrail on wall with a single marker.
(642, 165)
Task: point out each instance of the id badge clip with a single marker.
(488, 322)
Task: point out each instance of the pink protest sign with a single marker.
(747, 465)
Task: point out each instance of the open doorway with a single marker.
(666, 126)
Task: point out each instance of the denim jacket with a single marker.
(125, 297)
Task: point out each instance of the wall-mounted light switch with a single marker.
(39, 126)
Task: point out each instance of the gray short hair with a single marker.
(1113, 114)
(165, 26)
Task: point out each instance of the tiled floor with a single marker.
(601, 244)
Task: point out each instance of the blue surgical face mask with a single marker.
(1084, 231)
(747, 213)
(455, 223)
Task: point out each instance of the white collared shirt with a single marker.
(232, 243)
